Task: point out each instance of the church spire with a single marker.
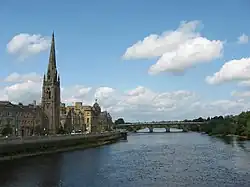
(58, 78)
(52, 56)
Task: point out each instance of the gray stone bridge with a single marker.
(186, 126)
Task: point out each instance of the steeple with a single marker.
(52, 56)
(51, 95)
(58, 78)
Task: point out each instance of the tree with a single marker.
(200, 119)
(7, 130)
(61, 130)
(119, 121)
(38, 130)
(237, 125)
(248, 129)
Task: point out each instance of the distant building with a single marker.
(80, 118)
(105, 121)
(52, 115)
(20, 119)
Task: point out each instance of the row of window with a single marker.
(64, 111)
(10, 121)
(19, 114)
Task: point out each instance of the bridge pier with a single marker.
(185, 129)
(167, 129)
(151, 129)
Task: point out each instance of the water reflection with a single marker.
(41, 171)
(7, 173)
(234, 142)
(228, 140)
(150, 159)
(85, 164)
(50, 171)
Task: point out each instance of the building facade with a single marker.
(20, 120)
(84, 118)
(52, 115)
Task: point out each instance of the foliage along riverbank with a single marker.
(238, 125)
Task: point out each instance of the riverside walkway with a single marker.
(34, 139)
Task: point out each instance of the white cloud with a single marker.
(140, 103)
(76, 93)
(233, 70)
(240, 94)
(243, 39)
(24, 45)
(178, 50)
(220, 107)
(244, 83)
(16, 77)
(104, 92)
(24, 92)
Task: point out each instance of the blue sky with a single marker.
(92, 36)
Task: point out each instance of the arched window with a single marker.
(49, 94)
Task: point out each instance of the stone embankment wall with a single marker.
(31, 146)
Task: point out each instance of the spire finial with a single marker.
(52, 56)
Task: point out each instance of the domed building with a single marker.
(96, 108)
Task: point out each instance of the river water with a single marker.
(146, 159)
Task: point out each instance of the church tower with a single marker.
(51, 97)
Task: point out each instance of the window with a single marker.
(87, 120)
(48, 93)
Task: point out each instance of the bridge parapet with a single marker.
(164, 123)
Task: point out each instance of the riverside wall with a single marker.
(13, 148)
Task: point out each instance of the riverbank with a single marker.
(16, 150)
(231, 135)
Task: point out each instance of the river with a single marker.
(146, 159)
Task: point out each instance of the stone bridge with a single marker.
(186, 126)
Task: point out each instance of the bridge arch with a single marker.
(185, 126)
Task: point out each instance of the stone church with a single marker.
(52, 116)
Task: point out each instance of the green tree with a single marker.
(61, 130)
(248, 129)
(7, 130)
(119, 121)
(38, 130)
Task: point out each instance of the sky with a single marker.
(142, 60)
